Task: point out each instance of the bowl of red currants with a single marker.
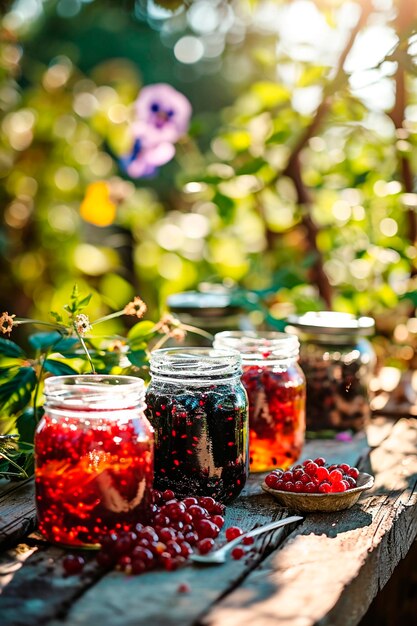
(315, 486)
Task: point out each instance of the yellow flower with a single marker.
(97, 207)
(6, 323)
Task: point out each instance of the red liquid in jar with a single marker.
(276, 416)
(93, 476)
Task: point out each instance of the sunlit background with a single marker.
(226, 210)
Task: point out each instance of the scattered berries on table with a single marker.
(73, 564)
(177, 528)
(314, 477)
(238, 552)
(232, 532)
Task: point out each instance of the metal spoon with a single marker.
(219, 556)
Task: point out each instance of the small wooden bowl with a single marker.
(322, 502)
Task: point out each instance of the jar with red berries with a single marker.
(338, 362)
(93, 458)
(199, 410)
(276, 389)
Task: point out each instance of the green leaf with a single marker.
(410, 295)
(226, 206)
(66, 344)
(16, 393)
(42, 341)
(56, 316)
(141, 330)
(58, 368)
(26, 424)
(138, 357)
(11, 349)
(252, 167)
(84, 302)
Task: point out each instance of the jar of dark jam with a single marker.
(199, 410)
(338, 363)
(276, 389)
(94, 458)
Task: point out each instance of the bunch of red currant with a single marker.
(177, 528)
(314, 477)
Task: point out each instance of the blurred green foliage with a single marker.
(228, 208)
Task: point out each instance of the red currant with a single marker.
(206, 528)
(311, 468)
(207, 503)
(271, 480)
(248, 541)
(325, 487)
(238, 552)
(73, 564)
(320, 461)
(335, 476)
(168, 494)
(218, 520)
(232, 532)
(205, 545)
(190, 501)
(322, 473)
(197, 512)
(353, 472)
(338, 487)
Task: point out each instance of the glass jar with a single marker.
(93, 458)
(199, 410)
(212, 310)
(338, 363)
(276, 389)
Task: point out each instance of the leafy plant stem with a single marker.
(84, 347)
(22, 472)
(111, 316)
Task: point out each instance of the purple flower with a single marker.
(162, 117)
(144, 161)
(162, 114)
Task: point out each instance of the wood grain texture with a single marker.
(332, 566)
(36, 593)
(17, 510)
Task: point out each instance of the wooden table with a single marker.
(325, 570)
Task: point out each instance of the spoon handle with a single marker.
(262, 529)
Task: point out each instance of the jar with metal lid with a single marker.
(93, 458)
(276, 390)
(199, 410)
(338, 362)
(212, 310)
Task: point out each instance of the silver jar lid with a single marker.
(331, 325)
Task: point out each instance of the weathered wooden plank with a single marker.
(35, 589)
(17, 510)
(332, 566)
(133, 600)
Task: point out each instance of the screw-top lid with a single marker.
(259, 345)
(203, 303)
(94, 392)
(195, 364)
(332, 324)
